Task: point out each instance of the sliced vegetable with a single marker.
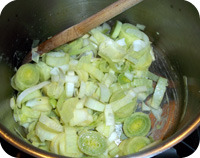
(159, 92)
(71, 137)
(44, 71)
(27, 76)
(133, 145)
(116, 29)
(92, 143)
(94, 105)
(30, 90)
(57, 59)
(138, 124)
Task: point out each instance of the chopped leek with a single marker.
(116, 29)
(92, 143)
(138, 124)
(159, 92)
(87, 98)
(133, 145)
(54, 59)
(26, 76)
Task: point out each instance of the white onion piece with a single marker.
(30, 90)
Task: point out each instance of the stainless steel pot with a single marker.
(174, 28)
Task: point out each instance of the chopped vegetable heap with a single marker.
(89, 97)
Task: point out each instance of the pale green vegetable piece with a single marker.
(44, 71)
(133, 145)
(66, 111)
(53, 90)
(44, 132)
(55, 144)
(116, 29)
(104, 129)
(81, 117)
(129, 37)
(105, 93)
(34, 94)
(92, 70)
(122, 79)
(71, 138)
(25, 115)
(127, 110)
(26, 76)
(116, 52)
(57, 58)
(50, 123)
(138, 124)
(159, 92)
(29, 91)
(109, 116)
(118, 104)
(40, 104)
(94, 104)
(92, 143)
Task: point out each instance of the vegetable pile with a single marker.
(89, 97)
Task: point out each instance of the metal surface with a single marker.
(174, 28)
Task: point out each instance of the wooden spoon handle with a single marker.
(83, 27)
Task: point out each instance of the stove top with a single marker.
(183, 149)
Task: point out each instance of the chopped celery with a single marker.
(138, 124)
(92, 143)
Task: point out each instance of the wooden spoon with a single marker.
(83, 27)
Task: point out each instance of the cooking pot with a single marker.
(172, 25)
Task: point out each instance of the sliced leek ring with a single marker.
(92, 143)
(138, 124)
